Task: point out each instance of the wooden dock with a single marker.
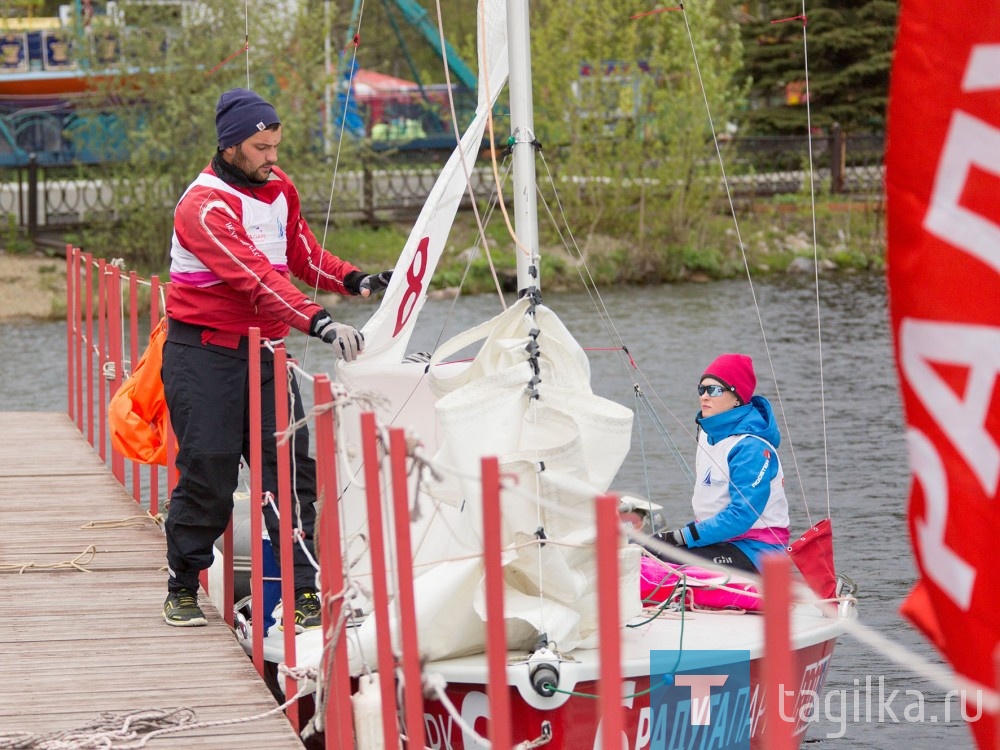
(75, 644)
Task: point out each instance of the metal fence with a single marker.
(43, 196)
(841, 163)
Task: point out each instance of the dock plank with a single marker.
(77, 643)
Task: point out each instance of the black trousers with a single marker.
(208, 396)
(722, 553)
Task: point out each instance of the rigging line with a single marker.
(819, 316)
(628, 364)
(493, 148)
(484, 75)
(590, 285)
(645, 467)
(340, 137)
(593, 291)
(491, 205)
(336, 162)
(746, 262)
(665, 435)
(246, 32)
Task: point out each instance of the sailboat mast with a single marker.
(522, 124)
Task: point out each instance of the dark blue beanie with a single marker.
(241, 113)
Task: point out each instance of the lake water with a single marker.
(672, 332)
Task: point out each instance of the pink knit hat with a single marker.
(734, 371)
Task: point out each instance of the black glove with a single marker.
(674, 537)
(347, 341)
(374, 283)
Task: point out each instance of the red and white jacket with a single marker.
(232, 253)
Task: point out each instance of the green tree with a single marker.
(170, 75)
(849, 46)
(624, 100)
(630, 144)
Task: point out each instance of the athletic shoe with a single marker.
(181, 609)
(307, 611)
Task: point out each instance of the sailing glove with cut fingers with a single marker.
(347, 341)
(367, 284)
(374, 283)
(674, 537)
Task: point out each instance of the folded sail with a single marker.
(557, 452)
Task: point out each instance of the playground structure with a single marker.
(49, 65)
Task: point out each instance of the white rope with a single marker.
(109, 731)
(131, 730)
(333, 635)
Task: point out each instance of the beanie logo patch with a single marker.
(261, 125)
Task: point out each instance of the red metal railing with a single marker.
(104, 322)
(99, 354)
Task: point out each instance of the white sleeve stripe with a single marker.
(313, 267)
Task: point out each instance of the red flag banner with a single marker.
(943, 189)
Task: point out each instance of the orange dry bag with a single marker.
(137, 414)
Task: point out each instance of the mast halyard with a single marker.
(522, 124)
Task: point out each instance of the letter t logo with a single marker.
(701, 694)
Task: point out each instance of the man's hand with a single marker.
(347, 341)
(374, 283)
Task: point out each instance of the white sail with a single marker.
(526, 399)
(389, 329)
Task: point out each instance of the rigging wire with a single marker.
(484, 75)
(246, 36)
(493, 152)
(572, 247)
(819, 316)
(746, 262)
(336, 162)
(592, 290)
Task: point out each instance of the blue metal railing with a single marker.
(61, 137)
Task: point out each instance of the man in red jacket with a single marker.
(238, 236)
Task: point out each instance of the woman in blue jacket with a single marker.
(740, 508)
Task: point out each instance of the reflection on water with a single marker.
(854, 467)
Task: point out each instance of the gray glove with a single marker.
(347, 341)
(374, 283)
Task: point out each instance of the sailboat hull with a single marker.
(664, 724)
(663, 718)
